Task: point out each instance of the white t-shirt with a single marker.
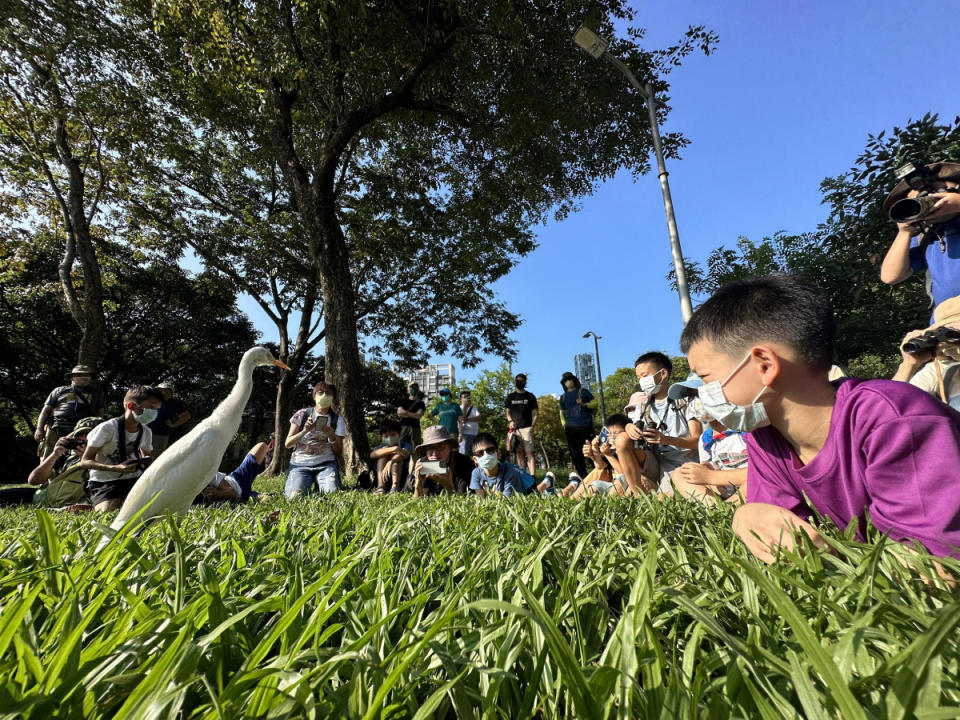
(220, 477)
(675, 424)
(104, 436)
(313, 448)
(471, 426)
(926, 379)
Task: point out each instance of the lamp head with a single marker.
(586, 39)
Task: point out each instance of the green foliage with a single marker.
(488, 394)
(358, 606)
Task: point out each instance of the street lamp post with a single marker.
(596, 352)
(596, 47)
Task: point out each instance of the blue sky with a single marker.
(788, 98)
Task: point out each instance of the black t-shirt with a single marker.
(170, 410)
(462, 470)
(521, 406)
(412, 406)
(71, 404)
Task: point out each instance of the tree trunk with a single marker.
(284, 409)
(343, 356)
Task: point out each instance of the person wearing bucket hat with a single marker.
(936, 247)
(438, 466)
(173, 414)
(934, 369)
(66, 405)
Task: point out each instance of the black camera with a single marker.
(72, 443)
(922, 179)
(140, 463)
(930, 339)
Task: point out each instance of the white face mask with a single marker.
(147, 416)
(390, 439)
(745, 418)
(649, 385)
(488, 461)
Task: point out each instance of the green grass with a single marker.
(381, 607)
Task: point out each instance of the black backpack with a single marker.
(120, 455)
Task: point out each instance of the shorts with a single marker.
(245, 474)
(302, 478)
(526, 436)
(113, 490)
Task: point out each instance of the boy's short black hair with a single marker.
(659, 359)
(618, 419)
(389, 426)
(139, 394)
(486, 437)
(781, 308)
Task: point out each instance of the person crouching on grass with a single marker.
(842, 449)
(437, 466)
(390, 458)
(607, 476)
(721, 474)
(501, 478)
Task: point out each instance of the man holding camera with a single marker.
(118, 450)
(925, 205)
(67, 405)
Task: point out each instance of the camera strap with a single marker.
(120, 455)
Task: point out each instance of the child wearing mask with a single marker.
(501, 478)
(842, 449)
(722, 470)
(391, 458)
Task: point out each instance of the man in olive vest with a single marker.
(66, 406)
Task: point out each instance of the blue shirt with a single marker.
(508, 481)
(574, 412)
(942, 266)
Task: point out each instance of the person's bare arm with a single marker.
(765, 529)
(296, 433)
(533, 417)
(40, 474)
(910, 363)
(41, 431)
(181, 419)
(89, 461)
(896, 264)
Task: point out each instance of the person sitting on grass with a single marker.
(670, 436)
(843, 449)
(437, 465)
(607, 477)
(60, 474)
(390, 458)
(501, 478)
(237, 485)
(721, 473)
(936, 370)
(118, 450)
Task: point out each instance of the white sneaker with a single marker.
(549, 479)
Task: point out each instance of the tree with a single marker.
(161, 324)
(60, 92)
(412, 148)
(549, 433)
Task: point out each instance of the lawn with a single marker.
(361, 606)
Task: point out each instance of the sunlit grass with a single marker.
(359, 606)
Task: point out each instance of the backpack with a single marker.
(66, 488)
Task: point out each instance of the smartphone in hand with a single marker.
(433, 467)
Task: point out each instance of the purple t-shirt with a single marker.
(892, 450)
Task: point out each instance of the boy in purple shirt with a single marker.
(763, 348)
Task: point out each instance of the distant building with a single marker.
(432, 379)
(585, 370)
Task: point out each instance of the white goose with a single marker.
(180, 473)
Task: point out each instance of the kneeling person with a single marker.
(118, 450)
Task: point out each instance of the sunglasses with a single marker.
(484, 451)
